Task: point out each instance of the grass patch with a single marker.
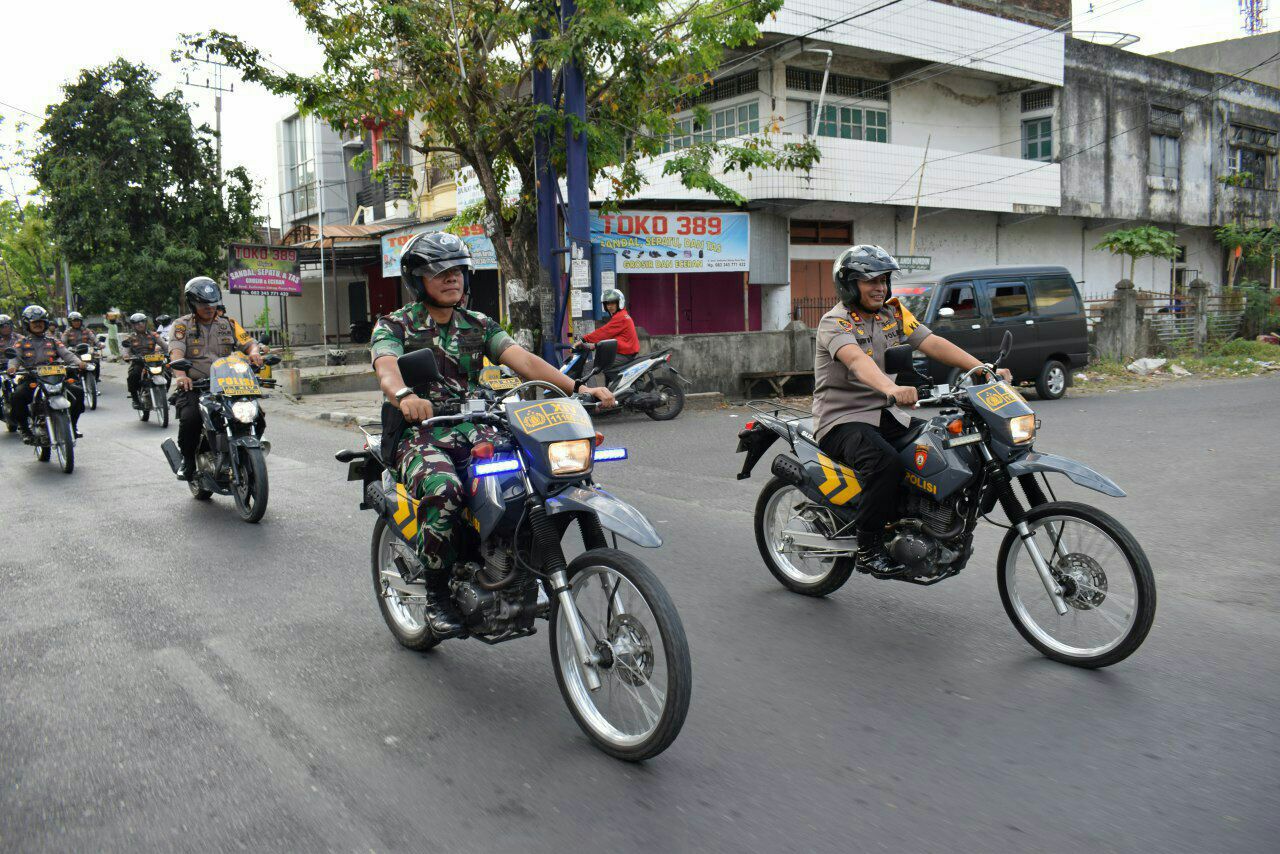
(1242, 349)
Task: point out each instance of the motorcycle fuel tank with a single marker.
(932, 468)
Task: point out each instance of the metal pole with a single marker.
(677, 303)
(822, 94)
(546, 180)
(915, 217)
(579, 198)
(324, 300)
(66, 278)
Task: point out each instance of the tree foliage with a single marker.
(1244, 244)
(465, 69)
(1142, 242)
(28, 259)
(133, 190)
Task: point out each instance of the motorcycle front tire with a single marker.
(251, 492)
(91, 390)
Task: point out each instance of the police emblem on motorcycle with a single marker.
(922, 456)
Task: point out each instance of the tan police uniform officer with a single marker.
(42, 349)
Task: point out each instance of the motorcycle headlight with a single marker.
(245, 411)
(86, 358)
(1022, 429)
(156, 369)
(569, 457)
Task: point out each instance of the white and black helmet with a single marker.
(75, 315)
(202, 290)
(613, 295)
(5, 320)
(34, 314)
(430, 255)
(860, 264)
(136, 318)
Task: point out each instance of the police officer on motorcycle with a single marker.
(8, 336)
(164, 327)
(436, 269)
(856, 405)
(40, 348)
(139, 343)
(77, 333)
(202, 337)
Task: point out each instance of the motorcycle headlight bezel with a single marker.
(156, 370)
(1022, 429)
(569, 457)
(245, 411)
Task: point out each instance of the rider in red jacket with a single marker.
(619, 325)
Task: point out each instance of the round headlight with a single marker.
(245, 411)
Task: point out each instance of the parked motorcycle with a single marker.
(1073, 580)
(153, 388)
(617, 644)
(90, 359)
(648, 384)
(231, 456)
(49, 416)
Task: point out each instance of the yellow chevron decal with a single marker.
(841, 484)
(832, 482)
(402, 504)
(406, 515)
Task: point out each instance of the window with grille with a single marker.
(817, 232)
(1253, 153)
(840, 85)
(1040, 99)
(1166, 119)
(854, 123)
(738, 120)
(1037, 139)
(723, 89)
(1164, 156)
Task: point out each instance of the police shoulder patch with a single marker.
(844, 324)
(179, 331)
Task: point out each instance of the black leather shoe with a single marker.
(441, 614)
(872, 558)
(187, 472)
(76, 432)
(28, 438)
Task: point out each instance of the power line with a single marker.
(19, 109)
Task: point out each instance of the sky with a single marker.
(86, 33)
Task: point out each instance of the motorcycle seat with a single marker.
(913, 433)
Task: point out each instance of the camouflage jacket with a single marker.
(460, 346)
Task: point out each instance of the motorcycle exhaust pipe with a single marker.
(788, 469)
(172, 454)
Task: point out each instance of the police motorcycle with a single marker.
(649, 384)
(49, 416)
(6, 391)
(90, 359)
(231, 455)
(153, 388)
(1075, 583)
(617, 645)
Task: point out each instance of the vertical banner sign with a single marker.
(267, 271)
(674, 241)
(483, 255)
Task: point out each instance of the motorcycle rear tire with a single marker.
(675, 395)
(841, 569)
(420, 640)
(251, 493)
(198, 492)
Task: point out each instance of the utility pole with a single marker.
(214, 84)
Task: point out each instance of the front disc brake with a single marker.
(632, 650)
(1083, 580)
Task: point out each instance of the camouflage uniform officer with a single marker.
(436, 268)
(201, 338)
(39, 348)
(139, 343)
(855, 403)
(77, 333)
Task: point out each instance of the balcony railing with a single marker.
(392, 189)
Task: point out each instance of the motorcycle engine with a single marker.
(490, 596)
(916, 545)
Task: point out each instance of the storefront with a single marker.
(486, 282)
(682, 272)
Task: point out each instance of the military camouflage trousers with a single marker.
(428, 461)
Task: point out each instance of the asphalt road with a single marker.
(174, 679)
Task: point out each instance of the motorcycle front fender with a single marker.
(615, 514)
(58, 401)
(1077, 472)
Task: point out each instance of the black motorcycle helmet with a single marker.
(72, 317)
(136, 318)
(163, 320)
(34, 314)
(861, 264)
(430, 255)
(202, 290)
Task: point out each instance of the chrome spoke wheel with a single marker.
(788, 511)
(407, 614)
(1099, 582)
(631, 658)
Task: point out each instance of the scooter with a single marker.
(648, 384)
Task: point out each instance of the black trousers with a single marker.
(135, 376)
(867, 449)
(20, 403)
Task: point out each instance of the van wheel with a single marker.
(1052, 382)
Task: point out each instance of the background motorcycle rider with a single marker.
(851, 421)
(203, 337)
(77, 333)
(9, 337)
(38, 348)
(619, 326)
(164, 327)
(436, 269)
(139, 343)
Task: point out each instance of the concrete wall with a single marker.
(1233, 56)
(715, 362)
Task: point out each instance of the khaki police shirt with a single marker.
(41, 350)
(204, 343)
(838, 396)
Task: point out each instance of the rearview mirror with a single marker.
(271, 360)
(1006, 347)
(419, 368)
(81, 349)
(897, 360)
(606, 354)
(181, 364)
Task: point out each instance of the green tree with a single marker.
(1145, 241)
(29, 260)
(464, 69)
(1244, 244)
(133, 190)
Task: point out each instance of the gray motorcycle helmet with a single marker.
(34, 314)
(860, 264)
(136, 318)
(202, 290)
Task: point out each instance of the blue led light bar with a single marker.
(609, 454)
(496, 467)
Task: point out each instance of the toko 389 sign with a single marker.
(674, 241)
